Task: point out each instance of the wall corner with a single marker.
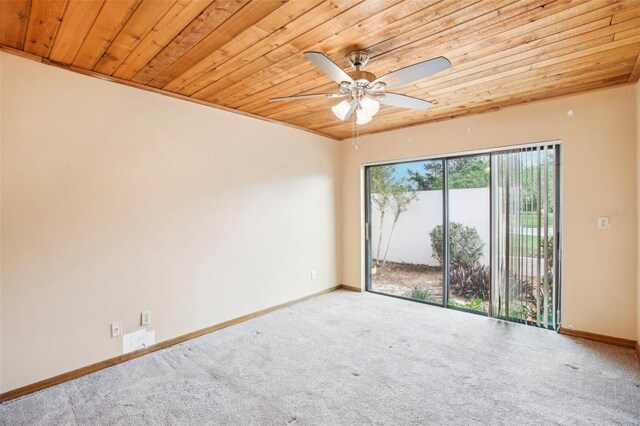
(637, 90)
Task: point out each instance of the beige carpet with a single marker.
(347, 358)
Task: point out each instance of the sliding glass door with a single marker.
(469, 213)
(478, 233)
(405, 216)
(525, 230)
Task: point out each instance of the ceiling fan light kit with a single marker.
(362, 116)
(363, 92)
(341, 109)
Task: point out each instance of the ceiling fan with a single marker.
(363, 92)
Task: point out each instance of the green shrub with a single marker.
(465, 245)
(470, 282)
(420, 293)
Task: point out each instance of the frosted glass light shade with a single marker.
(362, 116)
(340, 110)
(371, 106)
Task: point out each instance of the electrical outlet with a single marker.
(145, 318)
(603, 223)
(314, 274)
(116, 329)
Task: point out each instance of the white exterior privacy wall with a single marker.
(411, 243)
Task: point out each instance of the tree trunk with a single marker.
(380, 238)
(393, 226)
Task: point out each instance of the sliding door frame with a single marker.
(557, 232)
(368, 251)
(368, 256)
(445, 232)
(447, 220)
(555, 147)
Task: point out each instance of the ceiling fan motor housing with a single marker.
(358, 59)
(362, 78)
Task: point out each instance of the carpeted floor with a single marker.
(348, 358)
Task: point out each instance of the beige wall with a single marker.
(115, 201)
(599, 173)
(1, 60)
(638, 209)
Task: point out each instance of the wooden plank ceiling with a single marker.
(239, 53)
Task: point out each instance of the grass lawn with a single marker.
(528, 245)
(531, 220)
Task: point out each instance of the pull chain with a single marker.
(355, 133)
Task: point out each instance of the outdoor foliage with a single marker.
(431, 179)
(474, 305)
(382, 187)
(532, 304)
(388, 192)
(400, 201)
(420, 293)
(465, 245)
(464, 173)
(529, 189)
(525, 305)
(471, 282)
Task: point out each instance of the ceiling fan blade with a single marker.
(403, 101)
(328, 67)
(413, 72)
(311, 96)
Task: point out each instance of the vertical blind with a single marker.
(523, 227)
